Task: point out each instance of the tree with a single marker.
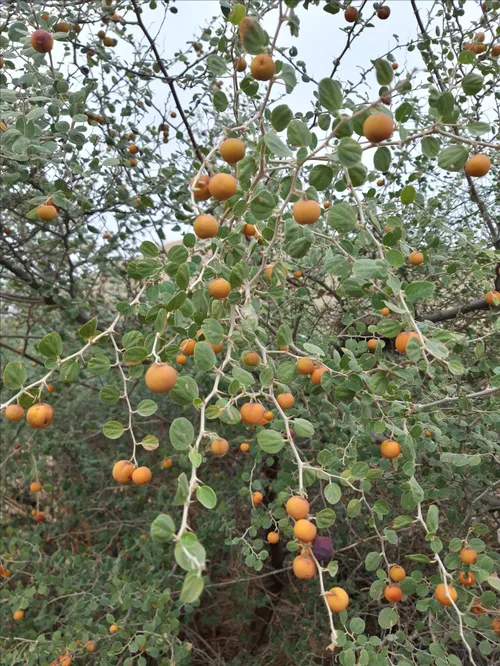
(306, 384)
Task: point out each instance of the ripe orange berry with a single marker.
(495, 625)
(257, 497)
(477, 166)
(219, 446)
(167, 463)
(394, 66)
(187, 346)
(51, 388)
(14, 413)
(337, 599)
(468, 556)
(495, 51)
(306, 212)
(122, 471)
(297, 274)
(132, 161)
(397, 573)
(47, 213)
(205, 226)
(263, 67)
(90, 646)
(141, 476)
(65, 659)
(304, 530)
(351, 14)
(273, 537)
(477, 608)
(305, 366)
(268, 416)
(304, 567)
(252, 358)
(390, 449)
(372, 344)
(232, 150)
(240, 64)
(181, 359)
(160, 377)
(285, 400)
(378, 127)
(416, 258)
(445, 598)
(217, 348)
(222, 186)
(297, 507)
(466, 578)
(252, 413)
(219, 288)
(428, 433)
(393, 593)
(385, 312)
(133, 149)
(249, 230)
(402, 340)
(492, 295)
(18, 615)
(113, 629)
(40, 416)
(40, 517)
(199, 187)
(316, 375)
(245, 447)
(35, 487)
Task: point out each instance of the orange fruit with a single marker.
(46, 213)
(113, 629)
(160, 377)
(122, 471)
(35, 487)
(199, 187)
(219, 446)
(205, 226)
(397, 573)
(245, 447)
(479, 37)
(249, 230)
(490, 296)
(495, 625)
(181, 359)
(90, 646)
(428, 433)
(252, 358)
(468, 556)
(187, 346)
(297, 507)
(297, 274)
(252, 413)
(304, 530)
(402, 340)
(445, 597)
(390, 449)
(14, 413)
(232, 150)
(378, 127)
(263, 67)
(268, 416)
(217, 348)
(466, 578)
(40, 416)
(316, 375)
(416, 258)
(273, 537)
(285, 400)
(219, 289)
(132, 161)
(141, 476)
(385, 312)
(305, 366)
(167, 463)
(393, 593)
(477, 166)
(372, 344)
(51, 388)
(381, 182)
(306, 212)
(304, 567)
(351, 14)
(40, 517)
(133, 149)
(337, 599)
(18, 615)
(240, 64)
(394, 66)
(222, 186)
(65, 659)
(495, 51)
(257, 497)
(477, 608)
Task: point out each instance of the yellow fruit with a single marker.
(47, 213)
(240, 64)
(181, 359)
(402, 340)
(297, 507)
(492, 295)
(385, 312)
(18, 615)
(141, 476)
(297, 274)
(337, 599)
(304, 530)
(306, 212)
(219, 288)
(245, 447)
(160, 377)
(14, 413)
(122, 471)
(393, 593)
(378, 127)
(232, 150)
(167, 463)
(316, 375)
(205, 226)
(372, 344)
(249, 230)
(40, 416)
(397, 573)
(252, 413)
(268, 416)
(263, 67)
(113, 629)
(468, 556)
(200, 189)
(304, 567)
(466, 578)
(219, 446)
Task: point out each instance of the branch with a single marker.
(454, 398)
(451, 313)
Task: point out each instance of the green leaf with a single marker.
(432, 520)
(206, 496)
(70, 370)
(162, 528)
(237, 14)
(303, 428)
(280, 117)
(99, 365)
(51, 345)
(181, 434)
(321, 177)
(378, 383)
(213, 331)
(147, 407)
(14, 375)
(262, 205)
(472, 83)
(430, 146)
(220, 101)
(189, 553)
(453, 158)
(342, 217)
(204, 356)
(408, 194)
(395, 258)
(87, 330)
(387, 618)
(135, 355)
(184, 391)
(372, 561)
(270, 441)
(287, 371)
(253, 38)
(370, 269)
(109, 394)
(112, 430)
(182, 492)
(419, 289)
(333, 493)
(382, 159)
(416, 490)
(298, 134)
(384, 72)
(284, 336)
(216, 65)
(330, 94)
(325, 518)
(479, 128)
(149, 249)
(437, 349)
(388, 328)
(276, 145)
(354, 508)
(349, 152)
(150, 443)
(192, 587)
